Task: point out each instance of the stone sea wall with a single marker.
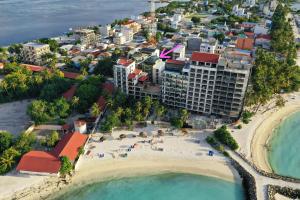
(248, 181)
(285, 191)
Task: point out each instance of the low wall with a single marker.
(285, 191)
(249, 182)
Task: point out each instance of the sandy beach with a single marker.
(182, 154)
(263, 132)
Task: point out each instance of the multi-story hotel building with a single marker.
(87, 37)
(32, 53)
(210, 84)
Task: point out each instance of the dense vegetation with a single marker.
(224, 136)
(13, 148)
(20, 83)
(275, 71)
(124, 110)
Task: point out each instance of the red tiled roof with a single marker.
(245, 43)
(264, 36)
(205, 57)
(176, 62)
(68, 95)
(249, 34)
(34, 68)
(70, 75)
(108, 87)
(69, 145)
(124, 61)
(137, 71)
(39, 161)
(128, 22)
(143, 78)
(101, 103)
(131, 76)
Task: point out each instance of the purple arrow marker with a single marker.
(163, 54)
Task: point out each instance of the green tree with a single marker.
(25, 142)
(104, 67)
(53, 44)
(6, 140)
(38, 111)
(177, 122)
(280, 102)
(8, 159)
(184, 115)
(53, 139)
(66, 166)
(95, 110)
(224, 136)
(196, 20)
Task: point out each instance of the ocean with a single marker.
(24, 20)
(171, 186)
(284, 156)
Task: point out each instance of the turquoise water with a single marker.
(159, 187)
(284, 156)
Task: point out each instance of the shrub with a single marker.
(211, 140)
(224, 136)
(239, 126)
(246, 116)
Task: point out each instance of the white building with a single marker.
(105, 31)
(122, 69)
(119, 39)
(87, 37)
(80, 126)
(32, 52)
(179, 53)
(127, 33)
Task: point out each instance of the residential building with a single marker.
(210, 84)
(128, 33)
(32, 53)
(119, 39)
(131, 24)
(87, 37)
(122, 69)
(245, 43)
(48, 162)
(179, 53)
(105, 31)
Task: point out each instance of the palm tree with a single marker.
(95, 110)
(119, 111)
(184, 115)
(75, 101)
(138, 107)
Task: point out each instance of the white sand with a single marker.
(253, 137)
(181, 154)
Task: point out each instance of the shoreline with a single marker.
(264, 132)
(118, 169)
(108, 170)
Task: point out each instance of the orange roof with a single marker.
(205, 57)
(68, 95)
(124, 61)
(34, 68)
(143, 78)
(131, 76)
(137, 71)
(264, 36)
(245, 43)
(70, 75)
(69, 145)
(39, 161)
(249, 34)
(176, 62)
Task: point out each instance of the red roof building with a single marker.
(125, 62)
(69, 145)
(68, 95)
(101, 103)
(245, 43)
(205, 57)
(70, 75)
(39, 162)
(34, 68)
(43, 162)
(108, 88)
(176, 62)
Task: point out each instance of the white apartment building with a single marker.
(210, 84)
(105, 31)
(122, 70)
(87, 37)
(127, 33)
(32, 53)
(119, 39)
(179, 53)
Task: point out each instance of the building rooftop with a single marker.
(124, 61)
(69, 145)
(68, 95)
(35, 45)
(205, 57)
(39, 161)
